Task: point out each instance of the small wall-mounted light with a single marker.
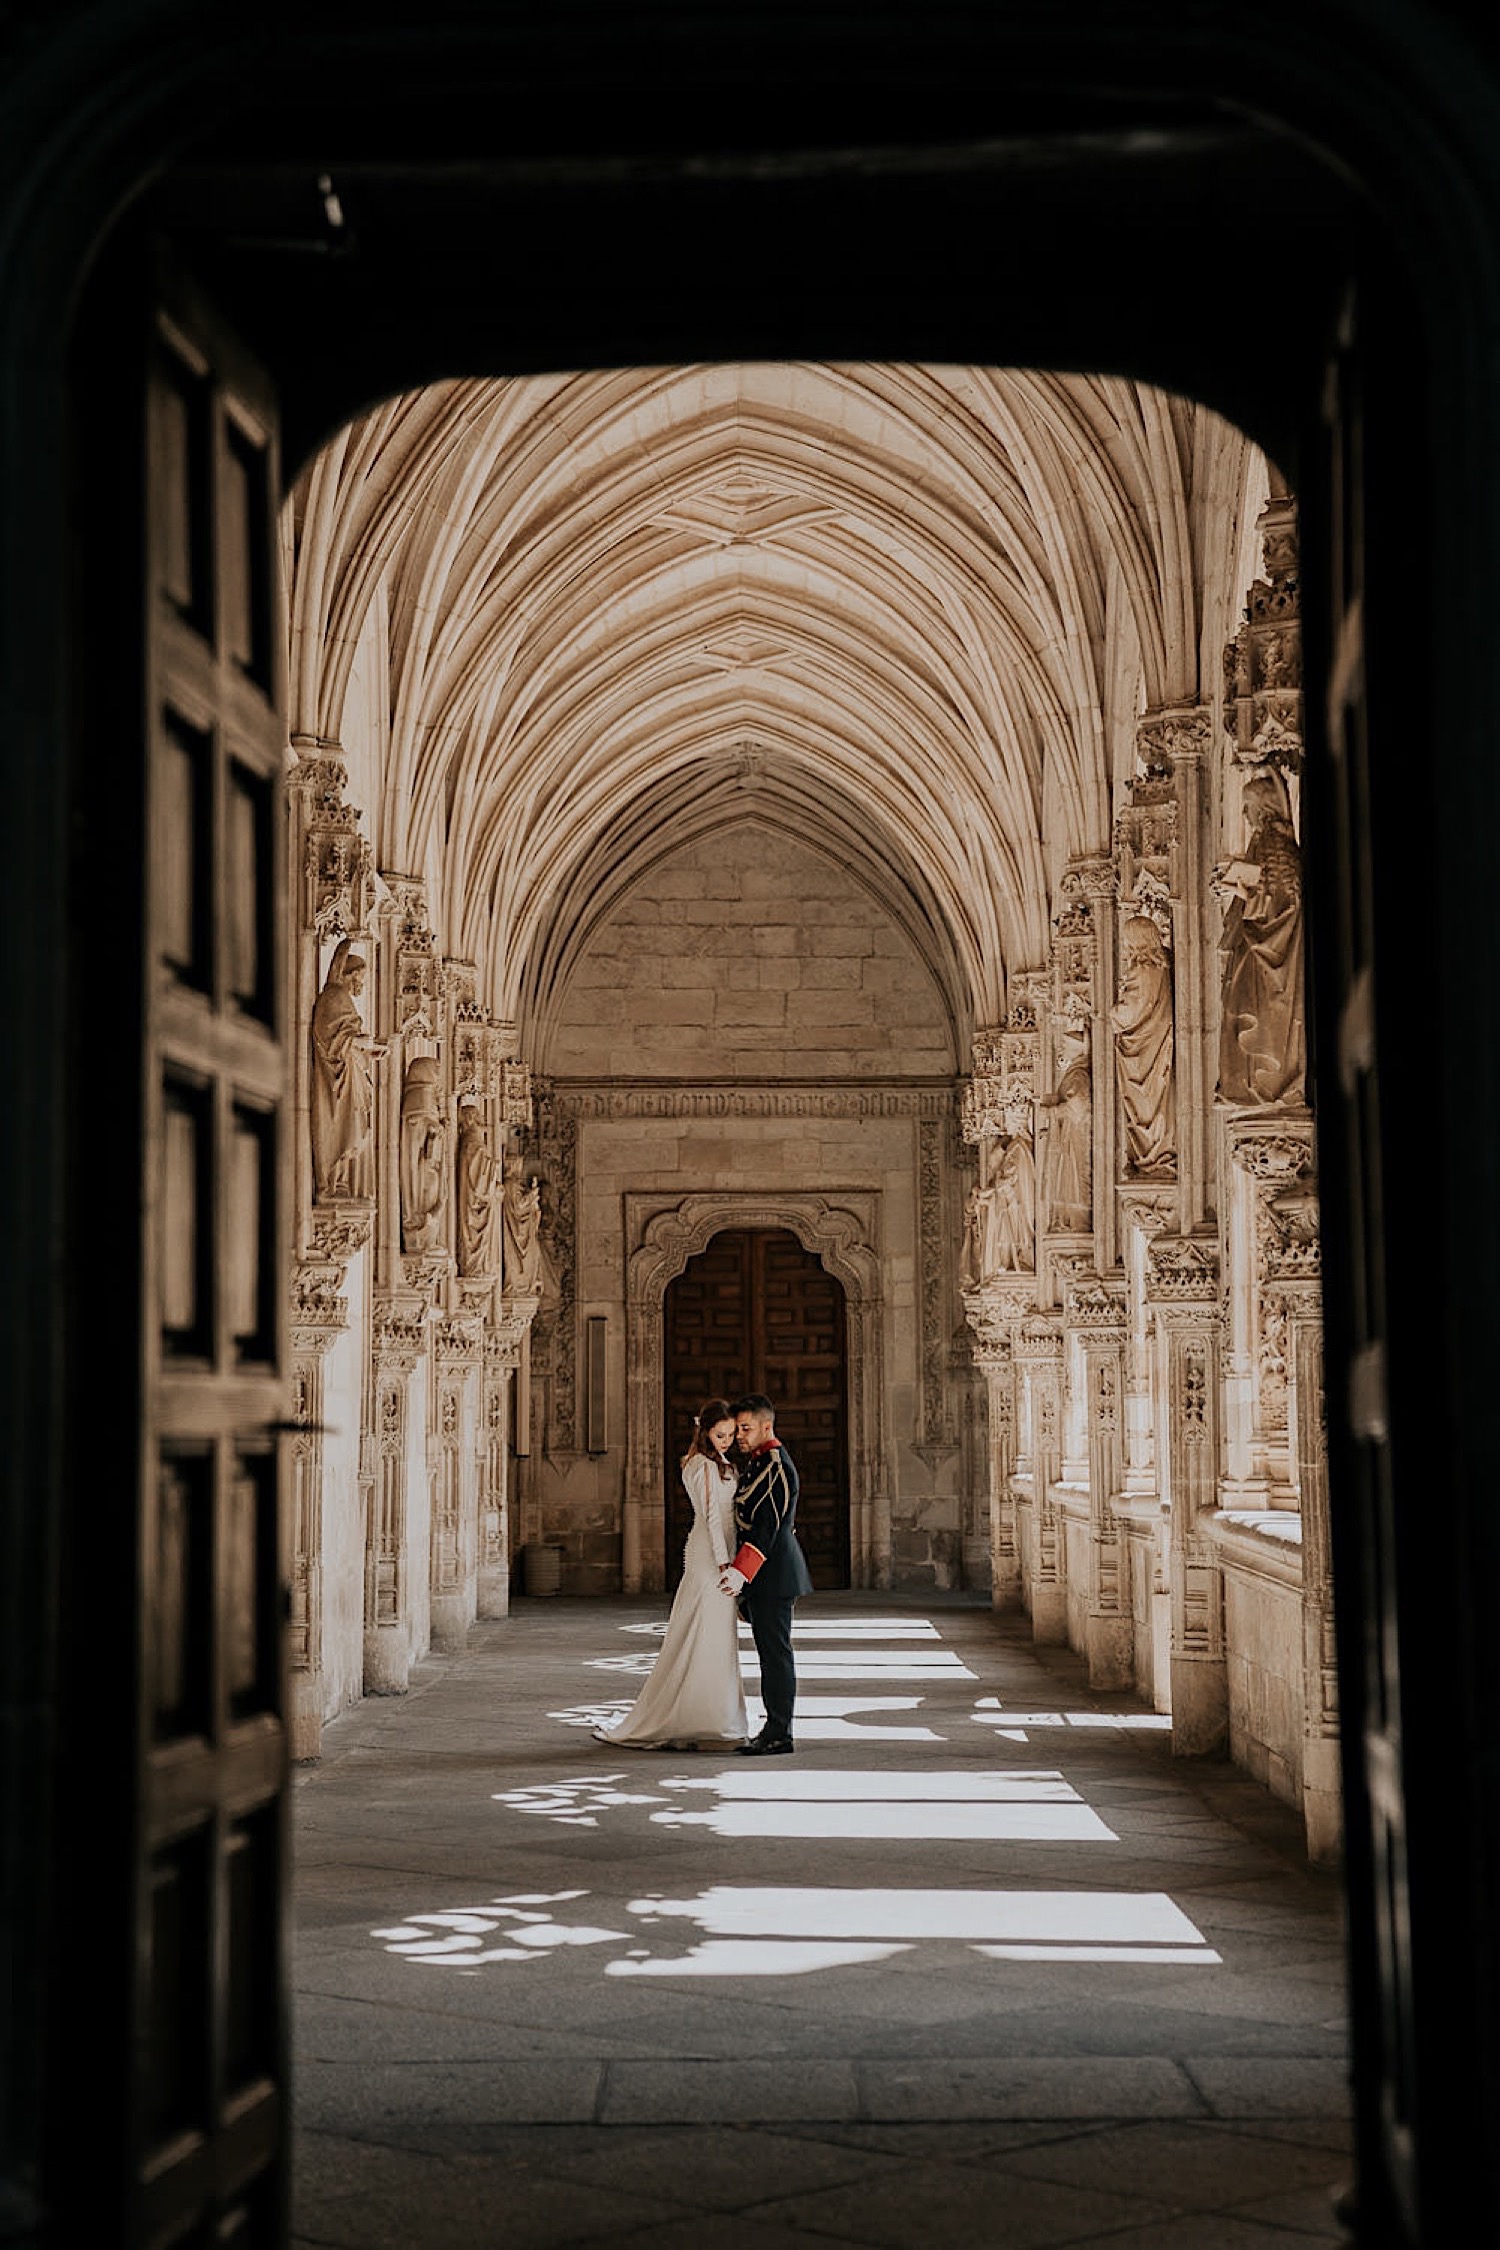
(595, 1368)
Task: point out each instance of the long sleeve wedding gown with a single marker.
(694, 1692)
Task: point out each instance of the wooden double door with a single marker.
(755, 1311)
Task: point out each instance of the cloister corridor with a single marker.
(749, 709)
(983, 1965)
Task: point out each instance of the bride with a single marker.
(694, 1692)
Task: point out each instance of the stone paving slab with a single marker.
(551, 1994)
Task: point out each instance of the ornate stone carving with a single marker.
(339, 1231)
(991, 1320)
(936, 1440)
(998, 1097)
(424, 1142)
(1142, 1025)
(400, 1334)
(1279, 1158)
(337, 867)
(418, 970)
(1038, 1340)
(524, 1265)
(1000, 1218)
(342, 1096)
(476, 1194)
(1182, 1269)
(511, 1327)
(554, 1340)
(318, 1310)
(455, 1342)
(1263, 663)
(625, 1102)
(1273, 1363)
(1097, 1306)
(1146, 838)
(516, 1105)
(1163, 737)
(1070, 1146)
(1262, 1044)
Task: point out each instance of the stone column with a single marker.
(992, 1315)
(399, 1341)
(1183, 1289)
(305, 1598)
(1321, 1794)
(1187, 736)
(1099, 879)
(335, 889)
(1038, 1350)
(319, 1313)
(1270, 1231)
(502, 1357)
(1098, 1312)
(452, 1475)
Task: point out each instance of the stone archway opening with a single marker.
(802, 1235)
(756, 1311)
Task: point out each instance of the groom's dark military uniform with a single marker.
(776, 1575)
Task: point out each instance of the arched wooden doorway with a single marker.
(755, 1311)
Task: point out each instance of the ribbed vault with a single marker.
(909, 614)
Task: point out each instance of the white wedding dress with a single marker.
(694, 1693)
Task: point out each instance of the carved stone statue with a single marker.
(423, 1146)
(1262, 1037)
(477, 1192)
(971, 1258)
(1070, 1191)
(523, 1262)
(342, 1099)
(1000, 1216)
(1142, 1024)
(1009, 1244)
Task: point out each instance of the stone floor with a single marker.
(981, 1964)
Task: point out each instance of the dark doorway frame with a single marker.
(1192, 197)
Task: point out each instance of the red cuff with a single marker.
(748, 1561)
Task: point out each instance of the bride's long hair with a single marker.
(710, 1414)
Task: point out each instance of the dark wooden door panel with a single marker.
(208, 2005)
(757, 1312)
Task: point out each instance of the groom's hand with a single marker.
(730, 1579)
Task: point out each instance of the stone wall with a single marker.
(859, 1153)
(745, 957)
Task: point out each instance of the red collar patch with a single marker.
(771, 1445)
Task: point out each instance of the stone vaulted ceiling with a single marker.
(909, 614)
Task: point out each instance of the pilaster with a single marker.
(319, 1313)
(1321, 1792)
(1170, 867)
(1038, 1350)
(452, 1473)
(1183, 1288)
(993, 1314)
(501, 1358)
(1269, 1228)
(1096, 1313)
(400, 1338)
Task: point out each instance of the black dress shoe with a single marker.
(767, 1746)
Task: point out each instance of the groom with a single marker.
(769, 1573)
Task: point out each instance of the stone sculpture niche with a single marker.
(1262, 1037)
(1000, 1219)
(523, 1266)
(476, 1184)
(342, 1096)
(1142, 1025)
(1070, 1180)
(423, 1145)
